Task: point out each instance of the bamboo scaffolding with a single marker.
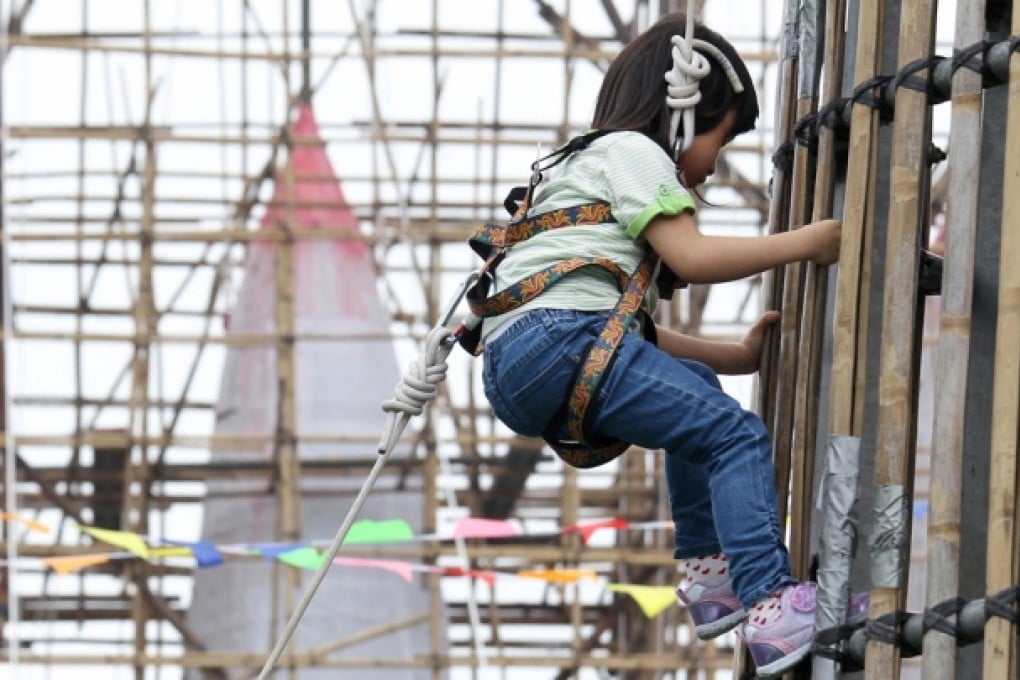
(900, 352)
(1002, 561)
(151, 217)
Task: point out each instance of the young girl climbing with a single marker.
(619, 199)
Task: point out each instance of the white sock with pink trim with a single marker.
(767, 610)
(709, 570)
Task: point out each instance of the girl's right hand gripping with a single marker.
(824, 238)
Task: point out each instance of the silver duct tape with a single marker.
(811, 18)
(788, 49)
(888, 542)
(838, 541)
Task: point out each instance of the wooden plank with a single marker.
(844, 401)
(897, 402)
(938, 659)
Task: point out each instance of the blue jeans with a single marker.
(718, 464)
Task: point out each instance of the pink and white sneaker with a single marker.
(781, 629)
(709, 597)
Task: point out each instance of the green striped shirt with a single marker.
(638, 180)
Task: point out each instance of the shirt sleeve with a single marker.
(642, 183)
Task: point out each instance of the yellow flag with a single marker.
(128, 540)
(653, 600)
(73, 563)
(559, 575)
(171, 552)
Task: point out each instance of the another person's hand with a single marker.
(824, 236)
(753, 342)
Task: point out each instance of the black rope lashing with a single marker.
(827, 643)
(1001, 605)
(905, 630)
(987, 58)
(886, 628)
(782, 158)
(937, 617)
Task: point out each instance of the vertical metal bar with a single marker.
(1000, 644)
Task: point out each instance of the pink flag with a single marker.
(404, 570)
(476, 527)
(586, 529)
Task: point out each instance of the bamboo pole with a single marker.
(772, 281)
(136, 503)
(807, 411)
(901, 314)
(845, 403)
(938, 659)
(1002, 562)
(286, 582)
(793, 368)
(433, 466)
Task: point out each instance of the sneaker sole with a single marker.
(714, 629)
(780, 666)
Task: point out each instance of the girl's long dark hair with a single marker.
(633, 92)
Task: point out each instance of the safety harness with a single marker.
(491, 242)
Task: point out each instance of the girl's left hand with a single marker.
(755, 339)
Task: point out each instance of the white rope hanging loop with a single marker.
(682, 90)
(690, 66)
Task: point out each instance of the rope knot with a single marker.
(418, 386)
(682, 91)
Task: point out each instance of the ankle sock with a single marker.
(767, 610)
(708, 569)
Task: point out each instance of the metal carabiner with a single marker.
(470, 321)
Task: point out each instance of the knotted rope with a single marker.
(416, 388)
(690, 66)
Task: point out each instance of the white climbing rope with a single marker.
(690, 66)
(415, 389)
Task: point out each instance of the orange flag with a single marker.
(559, 575)
(73, 563)
(27, 521)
